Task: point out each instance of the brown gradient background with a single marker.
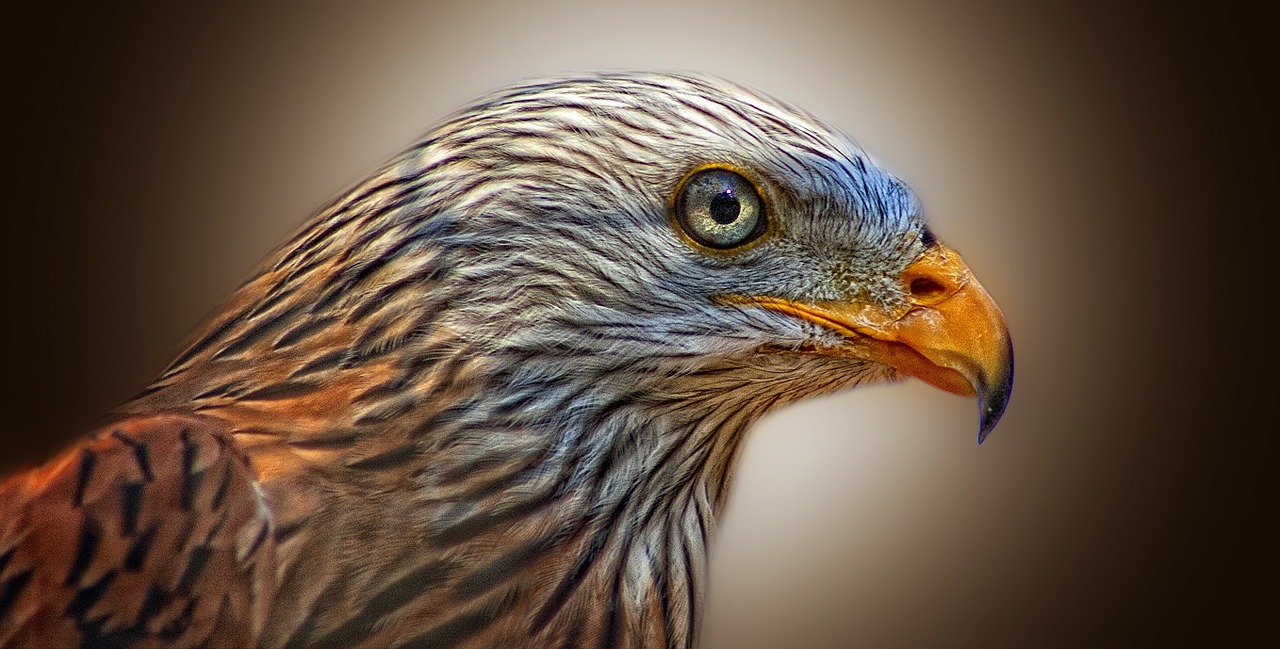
(1107, 173)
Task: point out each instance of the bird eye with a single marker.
(719, 209)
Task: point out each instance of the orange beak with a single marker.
(950, 335)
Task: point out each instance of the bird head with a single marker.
(677, 224)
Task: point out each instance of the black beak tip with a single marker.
(993, 398)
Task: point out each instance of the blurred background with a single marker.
(1106, 171)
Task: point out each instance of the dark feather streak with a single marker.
(86, 547)
(257, 332)
(303, 329)
(138, 552)
(395, 457)
(130, 506)
(220, 491)
(328, 361)
(86, 597)
(464, 626)
(280, 391)
(12, 589)
(87, 461)
(190, 476)
(257, 543)
(141, 454)
(390, 599)
(196, 564)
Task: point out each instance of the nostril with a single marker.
(924, 287)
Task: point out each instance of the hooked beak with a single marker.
(951, 334)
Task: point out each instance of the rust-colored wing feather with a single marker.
(152, 531)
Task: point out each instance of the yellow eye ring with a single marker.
(719, 209)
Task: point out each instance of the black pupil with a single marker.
(724, 209)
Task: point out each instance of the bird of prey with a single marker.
(492, 396)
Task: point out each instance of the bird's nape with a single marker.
(492, 396)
